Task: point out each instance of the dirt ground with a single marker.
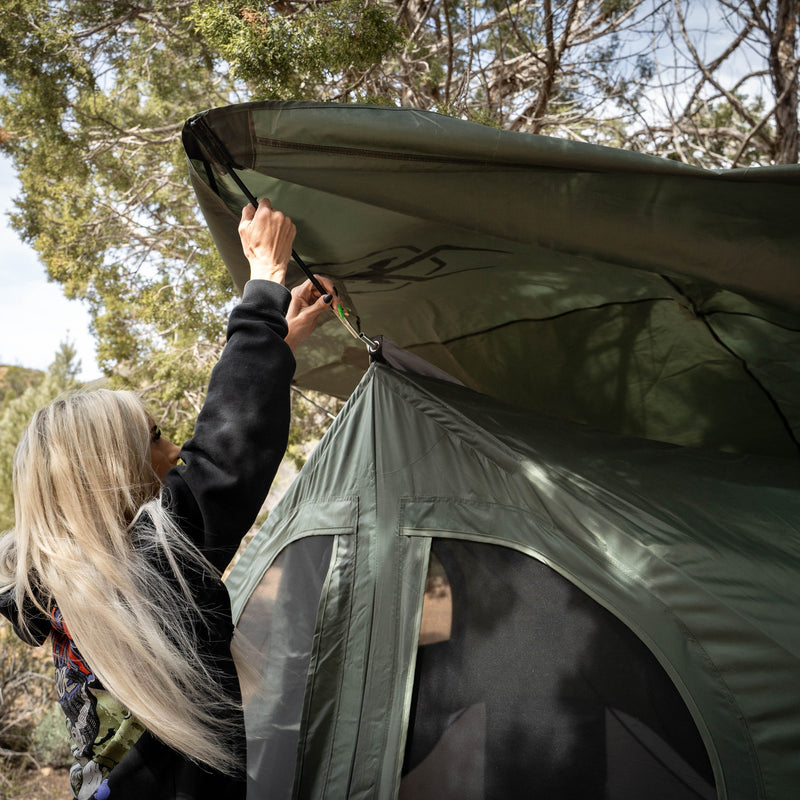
(40, 784)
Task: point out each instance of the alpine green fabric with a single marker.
(697, 552)
(629, 292)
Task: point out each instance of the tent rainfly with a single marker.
(558, 585)
(631, 293)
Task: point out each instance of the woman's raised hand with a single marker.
(267, 235)
(304, 309)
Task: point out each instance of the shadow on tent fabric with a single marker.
(541, 692)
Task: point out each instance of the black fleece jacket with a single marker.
(229, 464)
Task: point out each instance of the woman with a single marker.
(118, 550)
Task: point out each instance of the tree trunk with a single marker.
(783, 66)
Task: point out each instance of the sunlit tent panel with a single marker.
(621, 290)
(510, 600)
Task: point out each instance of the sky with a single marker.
(35, 317)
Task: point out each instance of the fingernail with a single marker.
(326, 298)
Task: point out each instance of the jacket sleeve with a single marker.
(241, 433)
(38, 622)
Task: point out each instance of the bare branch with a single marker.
(706, 70)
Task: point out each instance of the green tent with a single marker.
(486, 594)
(631, 293)
(697, 553)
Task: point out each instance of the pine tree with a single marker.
(61, 376)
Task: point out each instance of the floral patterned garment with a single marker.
(101, 730)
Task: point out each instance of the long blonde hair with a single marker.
(90, 530)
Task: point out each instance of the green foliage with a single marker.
(50, 745)
(93, 102)
(286, 56)
(612, 8)
(15, 380)
(60, 377)
(311, 416)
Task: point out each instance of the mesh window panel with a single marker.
(527, 688)
(273, 643)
